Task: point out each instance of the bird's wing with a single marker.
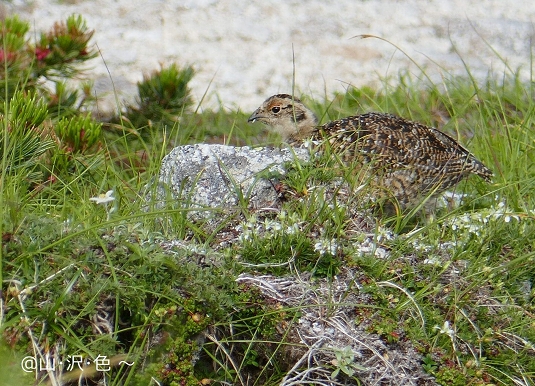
(399, 143)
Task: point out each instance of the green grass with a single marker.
(79, 278)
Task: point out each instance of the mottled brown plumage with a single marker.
(407, 159)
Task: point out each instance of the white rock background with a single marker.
(242, 50)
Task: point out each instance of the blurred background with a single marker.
(243, 52)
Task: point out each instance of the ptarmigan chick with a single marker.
(408, 160)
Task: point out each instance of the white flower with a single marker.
(245, 236)
(451, 199)
(384, 234)
(446, 329)
(272, 225)
(326, 246)
(103, 198)
(292, 229)
(67, 225)
(380, 253)
(432, 260)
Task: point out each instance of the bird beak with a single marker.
(256, 116)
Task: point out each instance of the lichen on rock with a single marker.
(207, 176)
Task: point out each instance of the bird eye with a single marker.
(275, 109)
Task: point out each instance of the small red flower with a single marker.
(41, 53)
(9, 56)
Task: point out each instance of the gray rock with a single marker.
(207, 176)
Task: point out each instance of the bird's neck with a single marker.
(300, 129)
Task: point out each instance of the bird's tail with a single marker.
(481, 170)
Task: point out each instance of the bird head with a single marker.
(287, 116)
